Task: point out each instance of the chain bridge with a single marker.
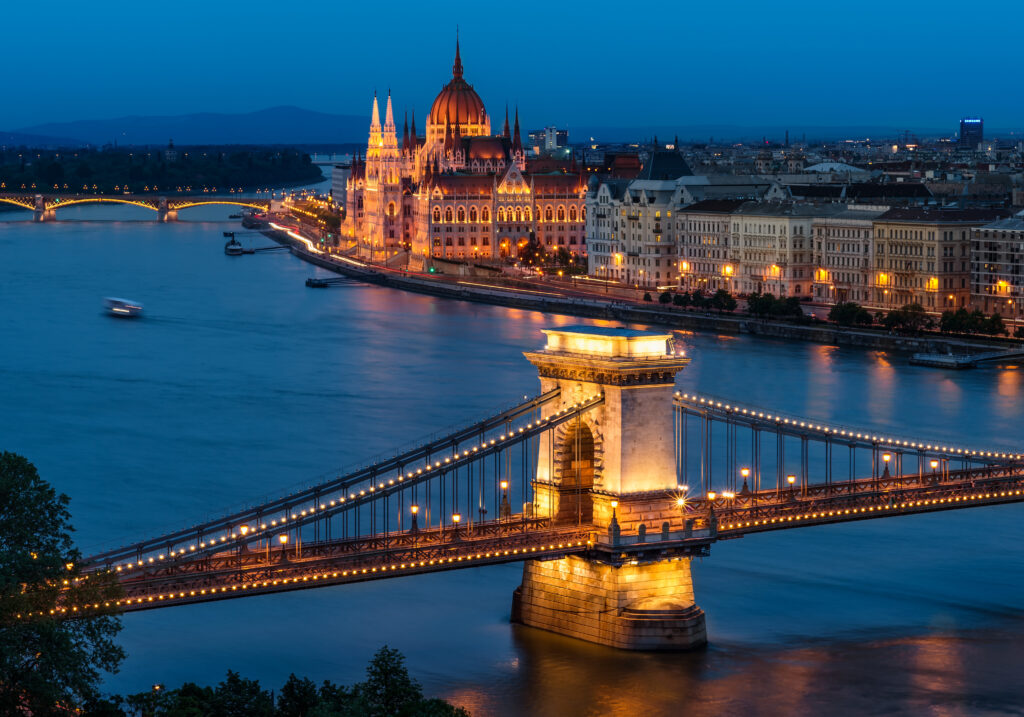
(44, 206)
(604, 486)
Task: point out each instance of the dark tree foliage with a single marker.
(768, 305)
(665, 298)
(647, 296)
(141, 170)
(388, 691)
(48, 663)
(963, 321)
(850, 313)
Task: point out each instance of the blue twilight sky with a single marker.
(903, 63)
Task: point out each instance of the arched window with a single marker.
(391, 209)
(501, 214)
(462, 214)
(448, 215)
(572, 214)
(486, 214)
(561, 213)
(526, 214)
(548, 215)
(437, 215)
(583, 214)
(472, 214)
(519, 214)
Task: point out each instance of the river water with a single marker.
(240, 382)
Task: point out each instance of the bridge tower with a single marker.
(163, 211)
(42, 213)
(614, 468)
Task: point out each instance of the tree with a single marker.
(995, 325)
(848, 313)
(647, 296)
(239, 696)
(665, 298)
(388, 689)
(47, 663)
(297, 697)
(681, 300)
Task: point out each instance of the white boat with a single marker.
(124, 308)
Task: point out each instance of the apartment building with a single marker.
(844, 254)
(706, 259)
(997, 253)
(922, 255)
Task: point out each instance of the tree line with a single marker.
(141, 170)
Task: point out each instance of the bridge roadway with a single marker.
(44, 206)
(246, 571)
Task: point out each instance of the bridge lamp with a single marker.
(712, 495)
(934, 464)
(456, 518)
(414, 509)
(243, 529)
(282, 539)
(745, 472)
(680, 501)
(886, 457)
(791, 479)
(504, 485)
(728, 495)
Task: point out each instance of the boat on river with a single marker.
(122, 308)
(233, 247)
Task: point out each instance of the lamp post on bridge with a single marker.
(791, 480)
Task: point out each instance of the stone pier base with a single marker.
(631, 607)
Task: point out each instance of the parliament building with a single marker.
(458, 191)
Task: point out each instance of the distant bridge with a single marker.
(617, 481)
(44, 206)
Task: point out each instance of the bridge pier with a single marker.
(616, 470)
(164, 213)
(42, 213)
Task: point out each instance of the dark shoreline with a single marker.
(827, 334)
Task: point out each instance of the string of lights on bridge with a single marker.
(843, 433)
(248, 533)
(315, 577)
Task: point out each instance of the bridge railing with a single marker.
(454, 478)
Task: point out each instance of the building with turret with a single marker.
(458, 191)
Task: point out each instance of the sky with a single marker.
(897, 63)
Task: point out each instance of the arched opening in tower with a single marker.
(575, 503)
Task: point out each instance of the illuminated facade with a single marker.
(923, 256)
(457, 192)
(997, 279)
(844, 255)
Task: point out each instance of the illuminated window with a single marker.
(486, 214)
(448, 215)
(462, 214)
(472, 214)
(548, 214)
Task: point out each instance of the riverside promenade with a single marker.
(558, 299)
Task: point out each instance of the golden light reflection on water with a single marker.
(939, 669)
(559, 677)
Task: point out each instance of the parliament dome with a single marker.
(458, 102)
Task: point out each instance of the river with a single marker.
(240, 382)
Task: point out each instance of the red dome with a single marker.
(458, 101)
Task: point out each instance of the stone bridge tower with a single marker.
(614, 468)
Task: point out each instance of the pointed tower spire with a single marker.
(504, 130)
(447, 132)
(517, 143)
(457, 67)
(375, 116)
(405, 133)
(389, 119)
(412, 130)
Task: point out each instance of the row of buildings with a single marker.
(643, 233)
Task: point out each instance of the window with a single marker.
(462, 214)
(548, 214)
(501, 214)
(448, 215)
(472, 214)
(437, 215)
(572, 214)
(486, 214)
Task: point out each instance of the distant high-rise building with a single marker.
(549, 140)
(972, 132)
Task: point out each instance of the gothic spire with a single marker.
(389, 119)
(457, 67)
(517, 143)
(504, 130)
(375, 116)
(412, 139)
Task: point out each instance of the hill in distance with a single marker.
(276, 125)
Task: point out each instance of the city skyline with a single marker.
(752, 68)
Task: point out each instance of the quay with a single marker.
(519, 294)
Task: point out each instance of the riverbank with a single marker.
(536, 299)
